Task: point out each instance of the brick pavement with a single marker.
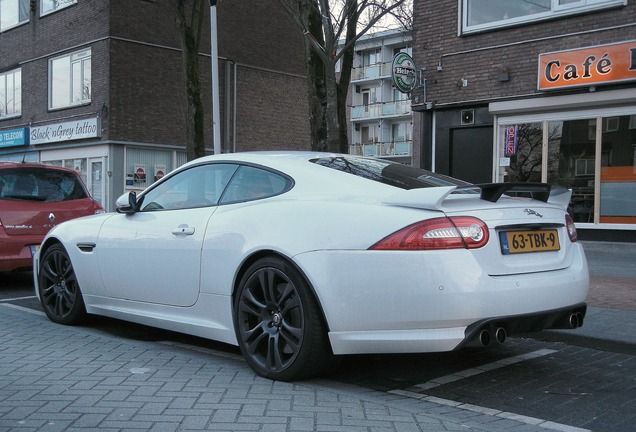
(58, 378)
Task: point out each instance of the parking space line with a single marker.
(22, 308)
(544, 424)
(17, 298)
(484, 368)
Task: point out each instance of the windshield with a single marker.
(387, 172)
(35, 184)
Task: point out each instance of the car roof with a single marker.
(39, 165)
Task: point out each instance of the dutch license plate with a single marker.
(34, 249)
(529, 241)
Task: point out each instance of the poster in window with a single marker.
(140, 172)
(160, 171)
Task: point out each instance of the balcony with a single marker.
(382, 149)
(375, 71)
(381, 109)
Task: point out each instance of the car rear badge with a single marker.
(531, 212)
(51, 217)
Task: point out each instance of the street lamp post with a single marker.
(214, 61)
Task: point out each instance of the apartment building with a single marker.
(380, 119)
(97, 85)
(541, 90)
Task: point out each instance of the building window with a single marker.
(48, 6)
(599, 168)
(11, 93)
(13, 13)
(480, 15)
(371, 57)
(70, 80)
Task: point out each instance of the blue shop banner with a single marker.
(14, 137)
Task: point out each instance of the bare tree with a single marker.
(331, 29)
(189, 19)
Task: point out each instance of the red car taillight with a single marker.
(97, 208)
(569, 224)
(456, 232)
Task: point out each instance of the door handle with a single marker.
(183, 230)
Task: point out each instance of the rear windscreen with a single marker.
(40, 185)
(390, 173)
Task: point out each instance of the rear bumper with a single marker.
(408, 302)
(454, 338)
(17, 255)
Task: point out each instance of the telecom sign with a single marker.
(13, 137)
(403, 72)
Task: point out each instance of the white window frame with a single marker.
(50, 6)
(5, 5)
(557, 9)
(73, 76)
(15, 99)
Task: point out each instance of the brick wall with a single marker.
(479, 57)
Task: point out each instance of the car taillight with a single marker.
(569, 224)
(454, 232)
(97, 208)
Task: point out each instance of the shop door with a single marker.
(96, 183)
(471, 155)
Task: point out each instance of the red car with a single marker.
(34, 198)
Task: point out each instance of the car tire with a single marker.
(59, 291)
(278, 323)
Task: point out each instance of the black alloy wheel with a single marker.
(59, 291)
(278, 323)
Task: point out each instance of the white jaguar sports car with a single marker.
(297, 257)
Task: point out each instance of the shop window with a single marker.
(571, 163)
(13, 13)
(70, 80)
(618, 172)
(480, 15)
(144, 167)
(522, 148)
(48, 6)
(11, 93)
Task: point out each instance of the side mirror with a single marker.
(127, 203)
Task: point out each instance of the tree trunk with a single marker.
(315, 76)
(190, 38)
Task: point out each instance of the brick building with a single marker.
(97, 86)
(541, 90)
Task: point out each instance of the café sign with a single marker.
(603, 64)
(67, 131)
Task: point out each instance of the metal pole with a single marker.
(214, 60)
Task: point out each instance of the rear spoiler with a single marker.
(432, 198)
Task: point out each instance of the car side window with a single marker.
(199, 186)
(251, 183)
